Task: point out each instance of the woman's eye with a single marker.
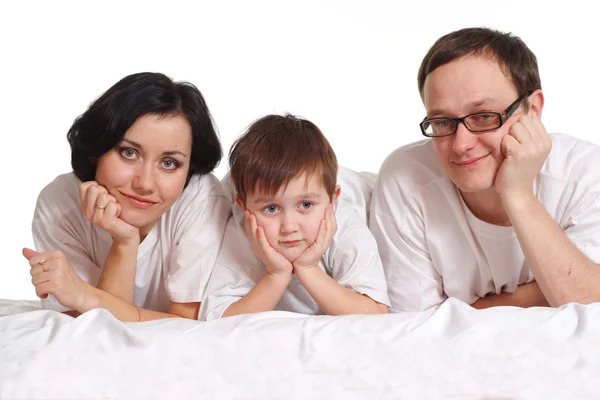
(170, 164)
(127, 153)
(305, 205)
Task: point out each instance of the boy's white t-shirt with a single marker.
(432, 246)
(175, 259)
(352, 259)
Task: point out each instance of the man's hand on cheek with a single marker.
(311, 256)
(525, 149)
(274, 261)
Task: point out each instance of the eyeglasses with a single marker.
(477, 122)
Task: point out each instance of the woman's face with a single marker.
(147, 171)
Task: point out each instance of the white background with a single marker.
(349, 66)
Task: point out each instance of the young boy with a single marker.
(293, 243)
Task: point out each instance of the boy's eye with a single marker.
(270, 209)
(305, 205)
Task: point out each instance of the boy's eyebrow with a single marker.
(309, 195)
(166, 153)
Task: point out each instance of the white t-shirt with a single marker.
(175, 259)
(432, 246)
(352, 259)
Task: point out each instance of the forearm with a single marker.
(526, 295)
(118, 274)
(333, 298)
(564, 273)
(264, 296)
(122, 310)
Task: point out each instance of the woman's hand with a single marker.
(102, 209)
(51, 273)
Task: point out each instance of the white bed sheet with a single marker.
(452, 352)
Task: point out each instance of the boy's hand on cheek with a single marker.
(275, 262)
(311, 256)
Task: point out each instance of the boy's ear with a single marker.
(239, 202)
(336, 194)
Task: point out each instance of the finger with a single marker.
(83, 187)
(520, 133)
(332, 221)
(28, 253)
(38, 279)
(104, 199)
(110, 213)
(247, 227)
(262, 239)
(37, 258)
(43, 289)
(322, 235)
(91, 197)
(510, 146)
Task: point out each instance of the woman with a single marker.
(137, 226)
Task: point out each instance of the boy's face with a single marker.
(292, 217)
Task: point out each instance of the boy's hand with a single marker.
(275, 262)
(311, 256)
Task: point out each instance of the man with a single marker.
(491, 209)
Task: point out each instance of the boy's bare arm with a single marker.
(526, 295)
(263, 297)
(333, 298)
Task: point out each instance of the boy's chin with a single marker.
(292, 254)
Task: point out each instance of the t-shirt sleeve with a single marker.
(355, 262)
(63, 229)
(199, 229)
(231, 278)
(583, 228)
(413, 282)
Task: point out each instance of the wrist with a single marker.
(89, 299)
(305, 270)
(517, 199)
(281, 278)
(126, 245)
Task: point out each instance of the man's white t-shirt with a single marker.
(352, 259)
(175, 259)
(432, 246)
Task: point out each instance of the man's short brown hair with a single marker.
(516, 60)
(276, 149)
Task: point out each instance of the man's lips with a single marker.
(470, 162)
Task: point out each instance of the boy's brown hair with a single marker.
(277, 148)
(516, 60)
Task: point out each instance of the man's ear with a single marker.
(336, 194)
(536, 102)
(239, 202)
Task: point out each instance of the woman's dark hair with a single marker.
(102, 127)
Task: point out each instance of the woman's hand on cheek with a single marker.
(273, 260)
(312, 255)
(102, 209)
(51, 273)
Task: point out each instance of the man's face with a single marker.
(465, 86)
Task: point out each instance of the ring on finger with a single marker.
(43, 265)
(99, 207)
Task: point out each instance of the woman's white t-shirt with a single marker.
(432, 246)
(175, 259)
